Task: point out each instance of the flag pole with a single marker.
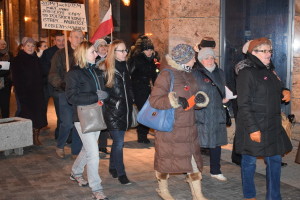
(111, 36)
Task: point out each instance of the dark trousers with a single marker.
(4, 101)
(55, 96)
(116, 155)
(215, 157)
(142, 132)
(102, 141)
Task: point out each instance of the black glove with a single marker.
(63, 86)
(183, 102)
(199, 98)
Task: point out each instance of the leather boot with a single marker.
(36, 140)
(194, 180)
(163, 189)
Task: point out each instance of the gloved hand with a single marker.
(101, 94)
(286, 96)
(183, 102)
(199, 98)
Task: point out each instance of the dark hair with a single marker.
(39, 44)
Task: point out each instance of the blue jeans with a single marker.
(89, 156)
(273, 172)
(116, 155)
(66, 120)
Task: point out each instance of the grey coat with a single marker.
(211, 120)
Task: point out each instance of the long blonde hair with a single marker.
(110, 62)
(80, 53)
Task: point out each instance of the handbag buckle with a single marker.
(154, 114)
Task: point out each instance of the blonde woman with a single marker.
(118, 108)
(83, 88)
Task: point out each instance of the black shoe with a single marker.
(283, 164)
(145, 141)
(124, 180)
(113, 173)
(104, 150)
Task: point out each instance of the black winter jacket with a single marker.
(118, 107)
(259, 98)
(81, 87)
(144, 72)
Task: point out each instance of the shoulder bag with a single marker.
(161, 120)
(91, 116)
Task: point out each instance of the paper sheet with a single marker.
(4, 65)
(229, 94)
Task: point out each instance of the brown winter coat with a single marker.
(174, 150)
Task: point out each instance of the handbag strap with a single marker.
(212, 83)
(94, 75)
(172, 78)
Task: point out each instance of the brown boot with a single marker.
(194, 180)
(36, 140)
(163, 189)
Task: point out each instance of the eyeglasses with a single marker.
(264, 51)
(122, 51)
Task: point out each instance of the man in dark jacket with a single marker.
(57, 80)
(259, 132)
(59, 43)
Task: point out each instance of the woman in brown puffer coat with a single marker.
(178, 151)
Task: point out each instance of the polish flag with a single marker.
(105, 27)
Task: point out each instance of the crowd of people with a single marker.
(107, 73)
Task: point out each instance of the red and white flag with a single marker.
(106, 26)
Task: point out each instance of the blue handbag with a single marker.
(161, 120)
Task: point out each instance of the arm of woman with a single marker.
(73, 93)
(245, 90)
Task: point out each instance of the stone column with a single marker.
(170, 22)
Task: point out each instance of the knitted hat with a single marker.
(258, 42)
(205, 53)
(146, 44)
(182, 53)
(25, 40)
(99, 42)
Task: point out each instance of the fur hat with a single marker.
(182, 53)
(258, 42)
(207, 42)
(25, 40)
(205, 52)
(99, 42)
(246, 46)
(144, 43)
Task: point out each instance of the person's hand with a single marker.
(286, 96)
(183, 102)
(225, 100)
(256, 136)
(101, 94)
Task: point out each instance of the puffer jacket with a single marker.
(211, 120)
(259, 97)
(118, 108)
(81, 87)
(174, 150)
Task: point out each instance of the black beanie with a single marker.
(207, 42)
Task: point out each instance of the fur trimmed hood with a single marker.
(243, 64)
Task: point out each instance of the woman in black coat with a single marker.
(143, 74)
(83, 87)
(118, 109)
(259, 132)
(28, 82)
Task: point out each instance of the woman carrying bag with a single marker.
(83, 88)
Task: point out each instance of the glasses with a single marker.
(264, 51)
(122, 51)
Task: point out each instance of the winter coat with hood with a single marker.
(174, 150)
(211, 121)
(259, 92)
(143, 74)
(118, 107)
(28, 81)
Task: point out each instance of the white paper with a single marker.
(4, 65)
(229, 94)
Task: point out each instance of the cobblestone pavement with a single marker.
(40, 175)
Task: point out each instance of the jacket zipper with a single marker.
(124, 85)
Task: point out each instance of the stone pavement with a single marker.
(40, 175)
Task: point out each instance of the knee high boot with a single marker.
(163, 189)
(194, 180)
(36, 140)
